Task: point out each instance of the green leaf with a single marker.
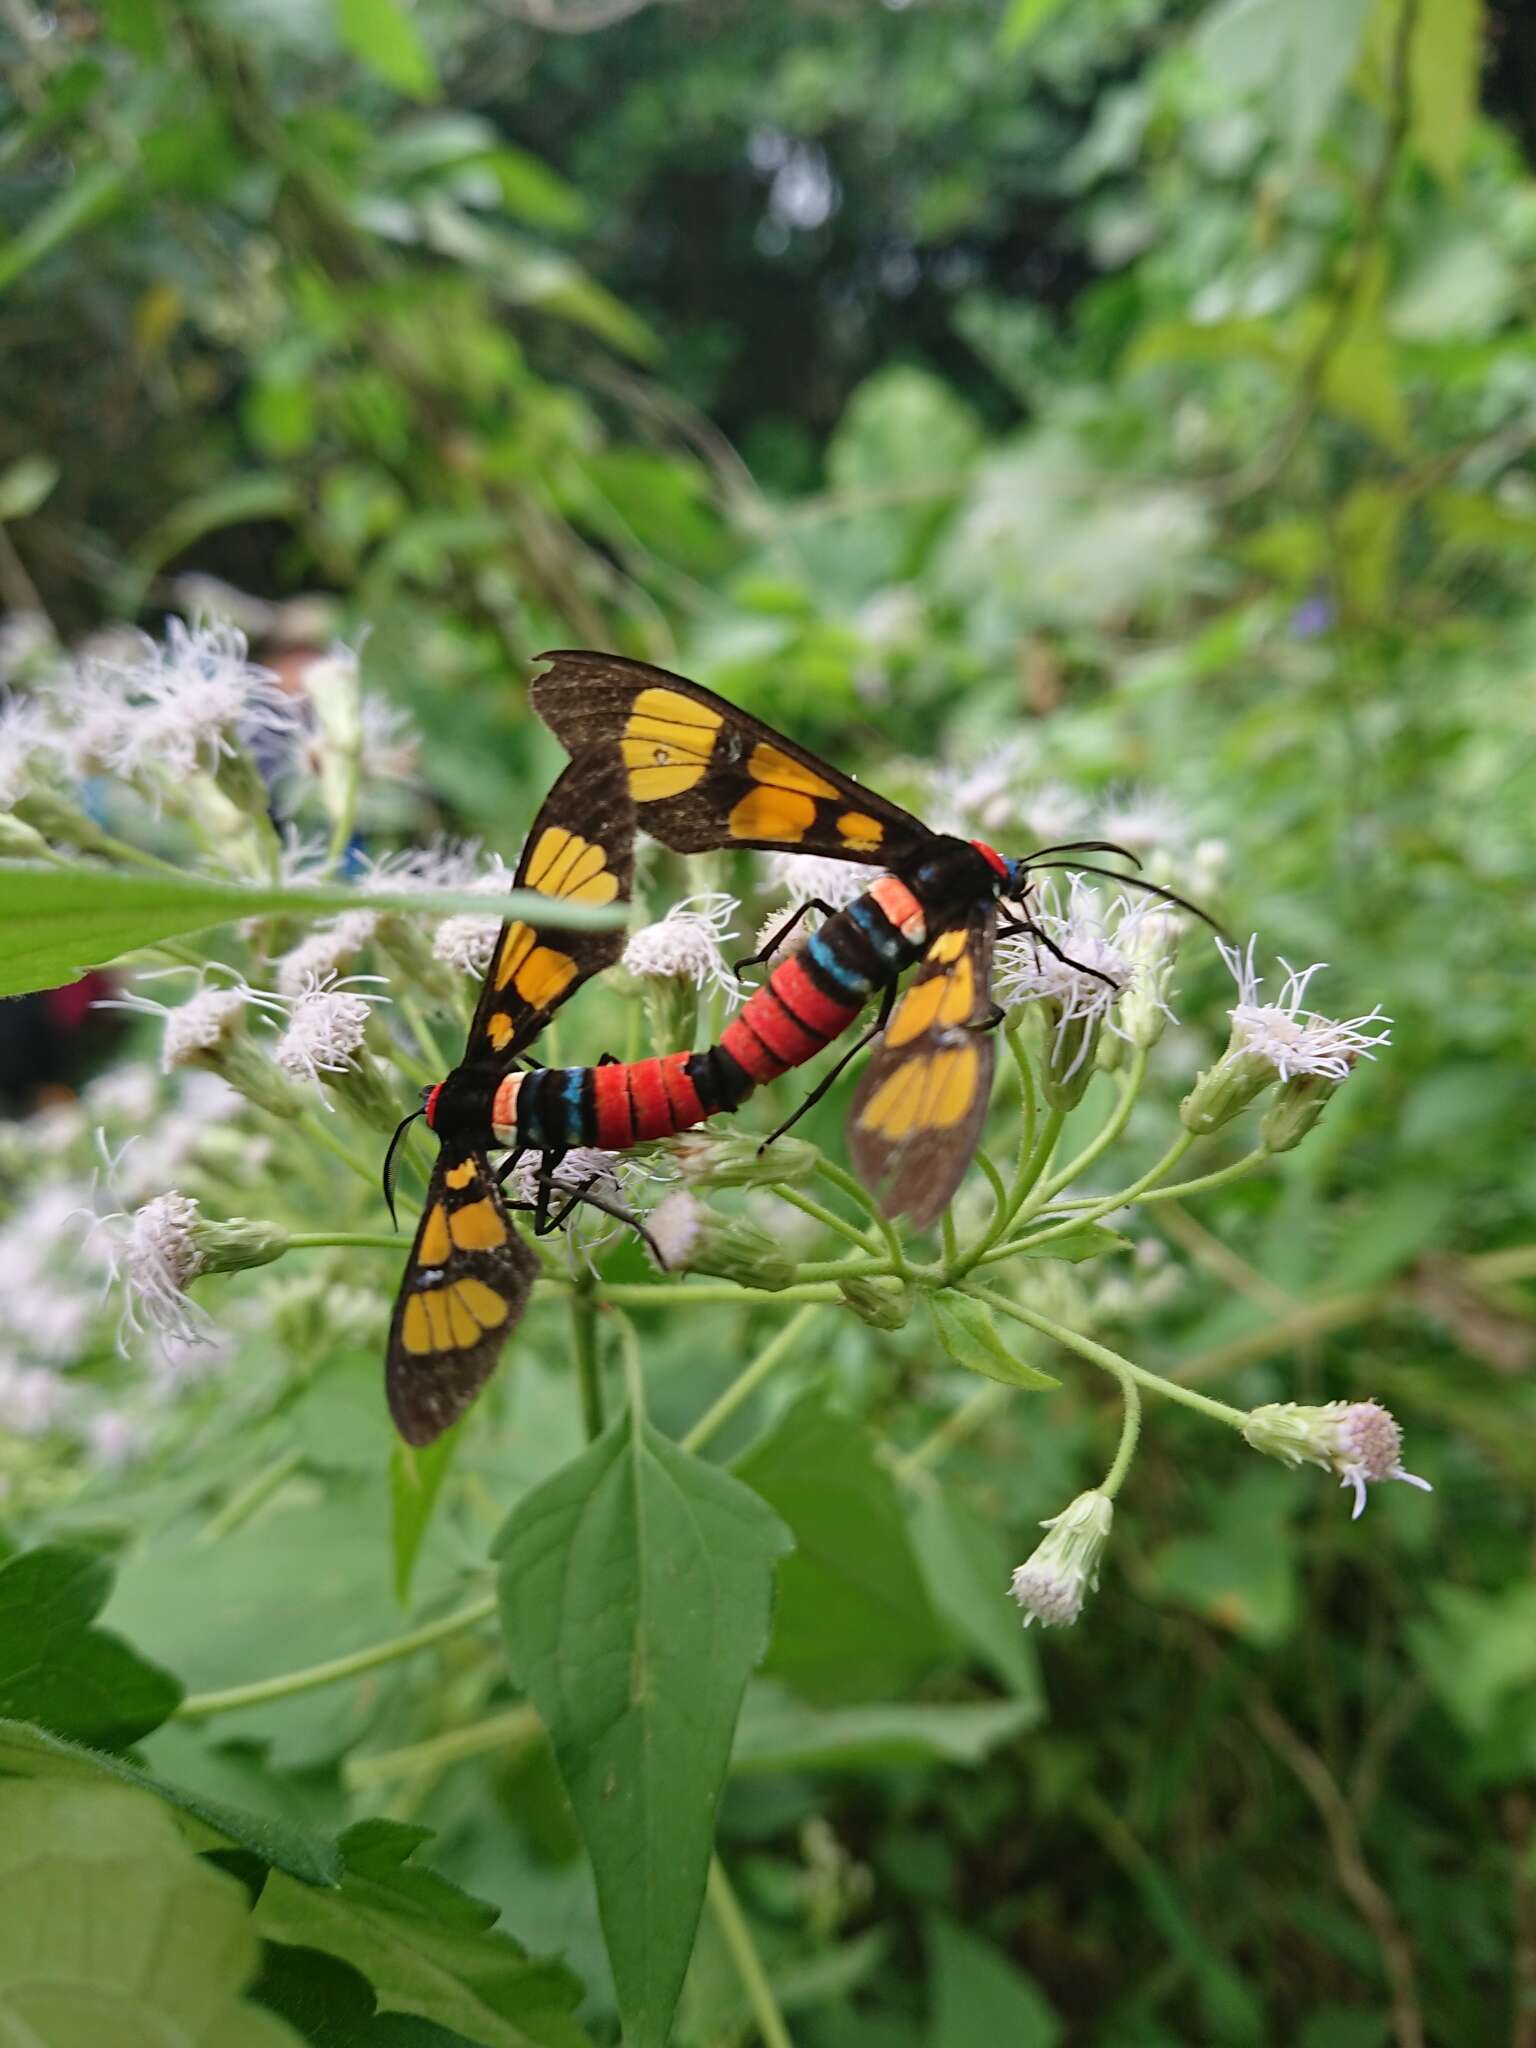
(1299, 52)
(1023, 22)
(57, 922)
(636, 1594)
(91, 194)
(26, 485)
(1444, 70)
(115, 1931)
(415, 1481)
(30, 1753)
(853, 1618)
(967, 1332)
(1360, 382)
(425, 1946)
(780, 1733)
(1241, 1575)
(57, 1670)
(978, 1995)
(1089, 1241)
(382, 35)
(1367, 527)
(967, 1566)
(236, 501)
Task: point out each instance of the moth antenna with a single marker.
(1083, 846)
(1136, 882)
(389, 1162)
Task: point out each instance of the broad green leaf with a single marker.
(26, 485)
(1241, 1575)
(1300, 53)
(426, 1947)
(853, 1618)
(59, 1671)
(979, 1996)
(415, 1481)
(91, 194)
(1478, 1652)
(30, 1753)
(112, 1930)
(1089, 1241)
(1361, 383)
(636, 1594)
(382, 35)
(967, 1332)
(1022, 22)
(967, 1566)
(55, 923)
(780, 1733)
(332, 2005)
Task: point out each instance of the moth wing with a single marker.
(581, 849)
(704, 774)
(917, 1115)
(465, 1286)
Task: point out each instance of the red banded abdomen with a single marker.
(784, 1023)
(637, 1099)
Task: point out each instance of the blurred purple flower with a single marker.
(1312, 618)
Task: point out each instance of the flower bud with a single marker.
(1068, 1066)
(236, 1243)
(1225, 1090)
(1359, 1440)
(1295, 1110)
(693, 1238)
(18, 841)
(733, 1159)
(883, 1308)
(208, 1030)
(59, 820)
(1051, 1583)
(1153, 950)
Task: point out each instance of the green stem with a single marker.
(513, 1730)
(747, 1383)
(947, 1237)
(588, 1368)
(1219, 1179)
(375, 1240)
(121, 849)
(968, 1417)
(314, 1122)
(1028, 1100)
(199, 1706)
(1130, 1430)
(856, 1193)
(633, 1294)
(737, 1936)
(999, 1189)
(827, 1218)
(1107, 1360)
(1129, 1089)
(1109, 1203)
(421, 1031)
(243, 1503)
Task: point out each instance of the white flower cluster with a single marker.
(685, 944)
(1087, 956)
(1293, 1040)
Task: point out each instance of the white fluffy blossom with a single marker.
(33, 1400)
(1359, 1440)
(1050, 1584)
(1290, 1039)
(324, 1033)
(985, 795)
(1103, 959)
(812, 877)
(155, 1256)
(1145, 824)
(171, 710)
(26, 739)
(685, 944)
(114, 1439)
(326, 951)
(1052, 814)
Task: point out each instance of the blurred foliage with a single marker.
(1152, 386)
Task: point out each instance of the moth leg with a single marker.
(584, 1193)
(811, 1100)
(992, 1022)
(783, 932)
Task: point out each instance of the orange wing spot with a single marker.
(773, 814)
(859, 833)
(948, 945)
(415, 1331)
(769, 764)
(484, 1303)
(461, 1175)
(517, 942)
(434, 1247)
(477, 1227)
(498, 1030)
(544, 977)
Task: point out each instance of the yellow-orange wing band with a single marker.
(916, 1118)
(703, 774)
(581, 850)
(466, 1284)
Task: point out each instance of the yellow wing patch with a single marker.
(666, 744)
(941, 1000)
(477, 1227)
(769, 764)
(928, 1093)
(538, 973)
(768, 813)
(564, 864)
(451, 1318)
(860, 834)
(435, 1244)
(461, 1175)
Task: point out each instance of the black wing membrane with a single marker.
(466, 1284)
(703, 774)
(581, 850)
(916, 1118)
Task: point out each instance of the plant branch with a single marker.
(746, 1384)
(737, 1936)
